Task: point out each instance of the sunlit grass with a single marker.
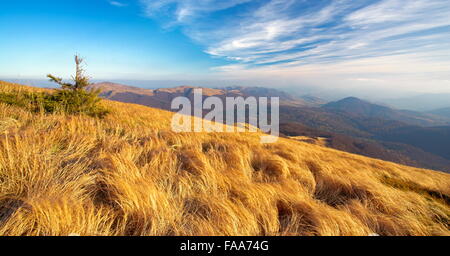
(129, 174)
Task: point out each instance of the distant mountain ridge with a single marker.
(363, 108)
(423, 102)
(444, 112)
(391, 151)
(352, 124)
(162, 98)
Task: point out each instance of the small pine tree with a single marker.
(81, 81)
(74, 97)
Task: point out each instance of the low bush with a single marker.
(61, 101)
(74, 102)
(72, 98)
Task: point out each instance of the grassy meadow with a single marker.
(129, 174)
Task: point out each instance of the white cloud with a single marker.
(182, 10)
(287, 37)
(118, 4)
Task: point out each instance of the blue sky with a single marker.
(41, 36)
(367, 44)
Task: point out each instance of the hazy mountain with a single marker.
(444, 112)
(158, 98)
(162, 98)
(350, 124)
(313, 100)
(423, 102)
(363, 108)
(435, 140)
(414, 145)
(390, 151)
(285, 98)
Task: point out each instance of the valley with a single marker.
(351, 124)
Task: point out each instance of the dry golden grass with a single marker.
(129, 174)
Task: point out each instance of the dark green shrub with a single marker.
(71, 98)
(74, 102)
(16, 99)
(61, 101)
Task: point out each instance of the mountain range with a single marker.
(351, 124)
(444, 112)
(422, 102)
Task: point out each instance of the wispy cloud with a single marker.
(118, 4)
(292, 33)
(186, 10)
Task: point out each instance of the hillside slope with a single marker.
(361, 108)
(390, 151)
(162, 97)
(129, 174)
(350, 119)
(445, 112)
